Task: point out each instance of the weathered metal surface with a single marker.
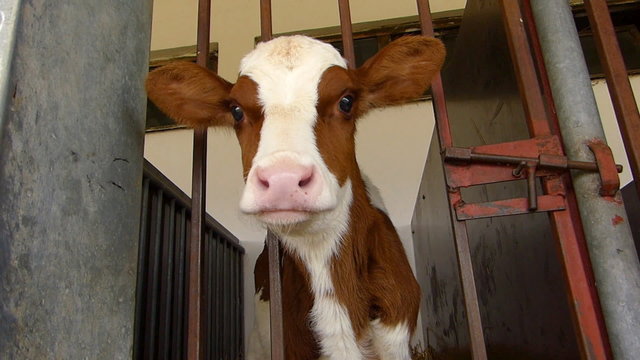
(266, 26)
(273, 243)
(463, 256)
(346, 32)
(70, 179)
(624, 103)
(509, 207)
(197, 310)
(587, 313)
(275, 299)
(615, 263)
(609, 180)
(518, 277)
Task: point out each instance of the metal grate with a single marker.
(161, 297)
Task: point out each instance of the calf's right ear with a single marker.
(190, 94)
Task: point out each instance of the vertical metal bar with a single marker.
(226, 303)
(177, 347)
(609, 240)
(524, 70)
(234, 308)
(213, 251)
(219, 297)
(143, 253)
(275, 288)
(241, 274)
(620, 90)
(153, 274)
(266, 26)
(277, 336)
(347, 33)
(238, 304)
(166, 280)
(207, 293)
(465, 265)
(583, 299)
(198, 208)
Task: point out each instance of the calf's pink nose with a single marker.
(286, 186)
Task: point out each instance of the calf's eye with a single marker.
(237, 113)
(346, 104)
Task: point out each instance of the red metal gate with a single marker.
(540, 157)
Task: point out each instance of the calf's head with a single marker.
(294, 109)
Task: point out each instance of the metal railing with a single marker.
(162, 290)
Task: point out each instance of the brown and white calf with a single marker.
(348, 290)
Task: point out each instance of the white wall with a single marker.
(610, 125)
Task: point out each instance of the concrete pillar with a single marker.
(70, 179)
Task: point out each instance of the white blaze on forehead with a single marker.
(288, 71)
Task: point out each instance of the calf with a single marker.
(348, 290)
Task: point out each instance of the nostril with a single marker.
(306, 179)
(304, 182)
(263, 178)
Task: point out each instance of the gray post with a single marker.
(70, 179)
(609, 238)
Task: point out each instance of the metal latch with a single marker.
(604, 165)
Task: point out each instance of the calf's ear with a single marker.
(190, 94)
(402, 71)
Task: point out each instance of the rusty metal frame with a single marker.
(559, 199)
(195, 323)
(624, 103)
(589, 325)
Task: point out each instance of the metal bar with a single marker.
(277, 335)
(166, 280)
(275, 289)
(266, 26)
(207, 293)
(225, 304)
(533, 103)
(567, 226)
(583, 300)
(143, 253)
(179, 293)
(152, 275)
(618, 84)
(241, 274)
(608, 236)
(465, 265)
(508, 207)
(213, 302)
(198, 207)
(465, 154)
(219, 298)
(347, 33)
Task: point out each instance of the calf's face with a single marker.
(294, 109)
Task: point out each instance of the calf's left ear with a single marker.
(402, 71)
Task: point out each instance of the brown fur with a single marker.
(370, 273)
